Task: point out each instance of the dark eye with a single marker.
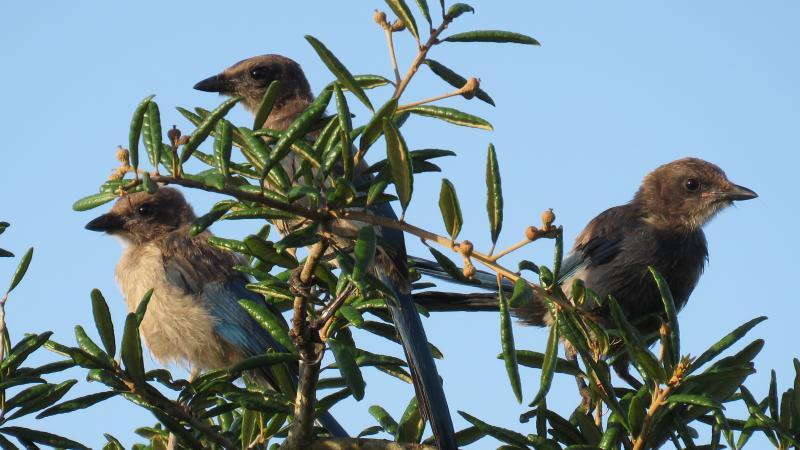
(692, 184)
(259, 73)
(144, 210)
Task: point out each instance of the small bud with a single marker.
(530, 233)
(183, 140)
(174, 134)
(380, 19)
(548, 217)
(123, 155)
(470, 88)
(118, 173)
(465, 248)
(398, 25)
(469, 269)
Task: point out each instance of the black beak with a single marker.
(736, 192)
(215, 84)
(107, 223)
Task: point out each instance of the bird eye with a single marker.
(259, 73)
(692, 184)
(144, 210)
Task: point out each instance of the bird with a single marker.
(661, 226)
(250, 78)
(193, 316)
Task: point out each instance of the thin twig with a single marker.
(459, 91)
(392, 56)
(423, 52)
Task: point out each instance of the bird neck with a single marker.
(285, 112)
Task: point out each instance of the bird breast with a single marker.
(176, 328)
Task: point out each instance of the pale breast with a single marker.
(176, 328)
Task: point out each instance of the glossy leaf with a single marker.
(401, 10)
(399, 163)
(535, 360)
(457, 9)
(507, 343)
(450, 115)
(266, 104)
(721, 345)
(450, 209)
(345, 127)
(153, 136)
(93, 201)
(22, 268)
(548, 365)
(206, 126)
(364, 253)
(76, 404)
(454, 79)
(136, 131)
(412, 424)
(131, 352)
(386, 421)
(270, 321)
(374, 128)
(339, 70)
(344, 353)
(41, 437)
(222, 147)
(492, 36)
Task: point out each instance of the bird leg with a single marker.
(172, 442)
(622, 366)
(586, 395)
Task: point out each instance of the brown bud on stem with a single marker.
(123, 155)
(465, 249)
(380, 18)
(548, 217)
(174, 134)
(398, 25)
(530, 233)
(183, 140)
(469, 268)
(470, 88)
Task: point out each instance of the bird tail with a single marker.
(481, 279)
(427, 384)
(332, 425)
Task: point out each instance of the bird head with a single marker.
(687, 193)
(141, 217)
(251, 77)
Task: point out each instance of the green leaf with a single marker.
(374, 128)
(22, 268)
(412, 423)
(458, 9)
(450, 209)
(450, 267)
(399, 163)
(266, 251)
(136, 130)
(148, 184)
(93, 201)
(86, 344)
(450, 115)
(76, 404)
(386, 421)
(521, 294)
(41, 437)
(206, 126)
(339, 70)
(636, 413)
(344, 353)
(270, 321)
(401, 10)
(202, 223)
(266, 104)
(423, 7)
(492, 36)
(352, 315)
(454, 79)
(364, 253)
(131, 352)
(152, 135)
(533, 359)
(345, 128)
(548, 365)
(507, 342)
(365, 81)
(501, 434)
(222, 147)
(674, 347)
(141, 308)
(698, 400)
(721, 345)
(291, 138)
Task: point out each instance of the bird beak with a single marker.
(107, 223)
(215, 84)
(736, 192)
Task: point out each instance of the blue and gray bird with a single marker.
(194, 317)
(660, 227)
(250, 78)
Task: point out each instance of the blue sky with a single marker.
(616, 89)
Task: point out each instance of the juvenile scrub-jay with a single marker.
(250, 79)
(660, 227)
(193, 316)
